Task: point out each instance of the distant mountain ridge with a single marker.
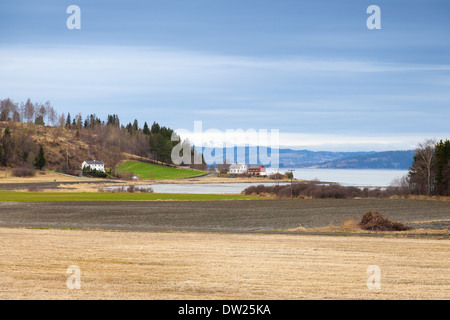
(346, 160)
(307, 158)
(373, 160)
(399, 159)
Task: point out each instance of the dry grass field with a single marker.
(188, 265)
(6, 176)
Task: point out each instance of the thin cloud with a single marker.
(326, 95)
(133, 64)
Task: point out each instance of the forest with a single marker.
(30, 131)
(429, 173)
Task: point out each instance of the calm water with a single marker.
(210, 188)
(347, 177)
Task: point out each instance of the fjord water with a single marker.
(346, 177)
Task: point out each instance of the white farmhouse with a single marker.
(238, 168)
(94, 165)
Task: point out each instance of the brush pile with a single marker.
(375, 221)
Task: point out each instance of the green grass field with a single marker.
(118, 196)
(150, 171)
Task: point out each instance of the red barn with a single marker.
(257, 170)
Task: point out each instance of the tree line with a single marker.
(20, 148)
(429, 173)
(105, 139)
(28, 112)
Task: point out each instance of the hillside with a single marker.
(149, 171)
(66, 147)
(62, 148)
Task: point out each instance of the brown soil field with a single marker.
(152, 265)
(220, 216)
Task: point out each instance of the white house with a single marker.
(94, 165)
(238, 168)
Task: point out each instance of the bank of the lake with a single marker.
(346, 177)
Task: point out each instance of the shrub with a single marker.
(129, 189)
(144, 190)
(132, 189)
(307, 189)
(375, 221)
(259, 189)
(87, 171)
(33, 188)
(350, 224)
(23, 172)
(319, 190)
(277, 176)
(125, 175)
(285, 192)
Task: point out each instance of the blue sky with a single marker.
(311, 69)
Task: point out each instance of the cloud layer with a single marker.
(295, 94)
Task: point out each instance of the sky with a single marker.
(312, 70)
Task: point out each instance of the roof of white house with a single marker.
(255, 166)
(237, 165)
(94, 162)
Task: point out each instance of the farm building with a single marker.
(238, 168)
(257, 170)
(94, 165)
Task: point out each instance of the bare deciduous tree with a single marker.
(29, 111)
(422, 171)
(41, 111)
(7, 109)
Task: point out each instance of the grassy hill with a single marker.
(150, 171)
(65, 148)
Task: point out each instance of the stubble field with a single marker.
(151, 265)
(246, 249)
